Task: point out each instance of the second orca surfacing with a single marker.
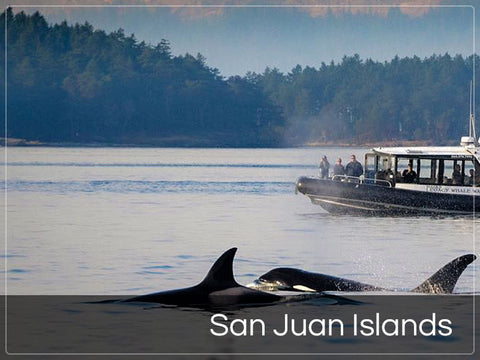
(442, 282)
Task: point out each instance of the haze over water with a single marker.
(138, 220)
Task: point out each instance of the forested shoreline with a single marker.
(74, 84)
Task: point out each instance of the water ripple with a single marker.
(17, 271)
(128, 186)
(200, 165)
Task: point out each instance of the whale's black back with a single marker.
(292, 278)
(218, 288)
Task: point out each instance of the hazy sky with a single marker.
(237, 40)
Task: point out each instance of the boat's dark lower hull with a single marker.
(370, 199)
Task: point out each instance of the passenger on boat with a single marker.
(354, 168)
(324, 167)
(338, 168)
(471, 177)
(457, 175)
(409, 175)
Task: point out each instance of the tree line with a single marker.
(76, 84)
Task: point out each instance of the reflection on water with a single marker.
(132, 221)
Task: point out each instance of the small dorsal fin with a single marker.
(444, 280)
(221, 273)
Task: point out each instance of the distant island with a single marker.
(73, 85)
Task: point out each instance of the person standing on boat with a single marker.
(338, 168)
(354, 168)
(324, 167)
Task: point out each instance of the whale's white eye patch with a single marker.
(303, 288)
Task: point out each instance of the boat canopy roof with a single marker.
(429, 151)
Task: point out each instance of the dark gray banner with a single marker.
(369, 325)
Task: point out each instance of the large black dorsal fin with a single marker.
(221, 273)
(444, 280)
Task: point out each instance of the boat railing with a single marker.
(378, 182)
(346, 178)
(361, 180)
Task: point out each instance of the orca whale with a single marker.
(218, 289)
(442, 282)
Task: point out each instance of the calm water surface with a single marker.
(132, 221)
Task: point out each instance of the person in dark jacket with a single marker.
(324, 167)
(338, 168)
(354, 168)
(409, 175)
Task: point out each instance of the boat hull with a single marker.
(370, 199)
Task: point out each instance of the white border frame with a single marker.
(221, 6)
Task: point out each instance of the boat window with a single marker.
(452, 173)
(439, 171)
(384, 168)
(427, 172)
(445, 171)
(370, 166)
